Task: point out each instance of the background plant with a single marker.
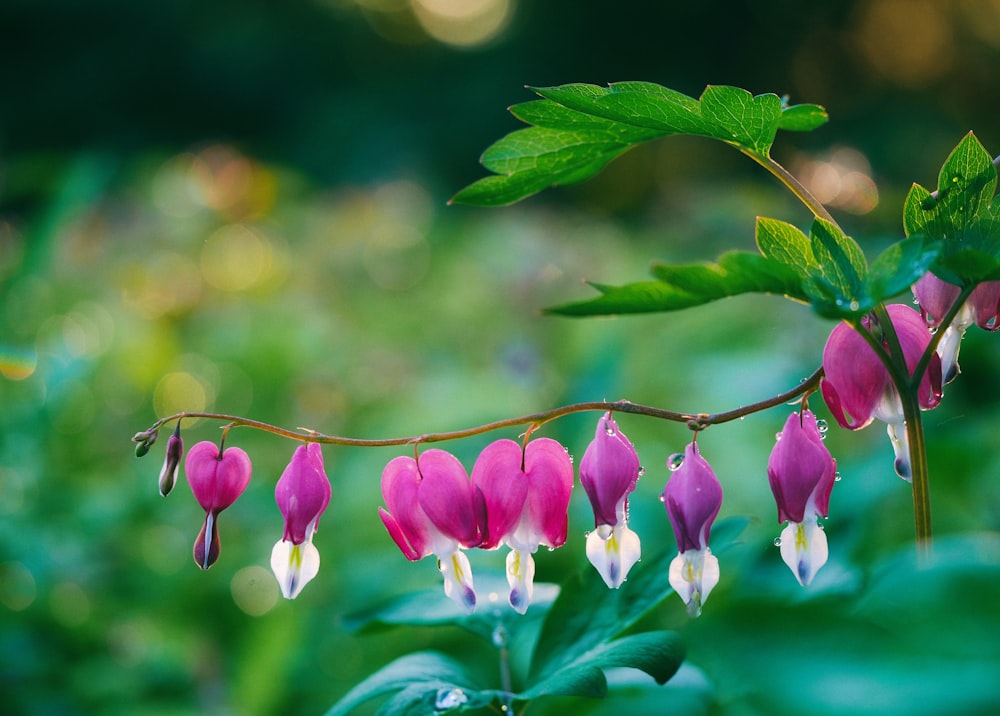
(84, 201)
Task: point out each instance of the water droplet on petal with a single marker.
(674, 461)
(663, 498)
(836, 476)
(609, 430)
(777, 541)
(822, 426)
(642, 471)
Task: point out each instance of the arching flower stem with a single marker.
(695, 421)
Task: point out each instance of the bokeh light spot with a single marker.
(463, 23)
(909, 42)
(17, 363)
(254, 590)
(840, 178)
(17, 586)
(235, 258)
(69, 603)
(180, 391)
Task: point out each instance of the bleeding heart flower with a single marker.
(523, 498)
(216, 481)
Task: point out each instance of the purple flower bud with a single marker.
(800, 470)
(172, 460)
(302, 494)
(802, 473)
(216, 481)
(609, 471)
(692, 497)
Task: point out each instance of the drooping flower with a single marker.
(936, 297)
(216, 481)
(857, 387)
(523, 498)
(609, 471)
(431, 511)
(801, 473)
(171, 461)
(302, 494)
(692, 497)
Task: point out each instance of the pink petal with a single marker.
(502, 487)
(303, 493)
(550, 484)
(446, 496)
(854, 379)
(409, 524)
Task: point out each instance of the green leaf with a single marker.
(424, 672)
(577, 129)
(587, 614)
(429, 607)
(737, 117)
(658, 653)
(803, 118)
(841, 261)
(899, 266)
(785, 244)
(962, 215)
(690, 285)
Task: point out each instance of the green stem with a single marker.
(907, 386)
(919, 474)
(793, 185)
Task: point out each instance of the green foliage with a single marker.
(579, 128)
(583, 633)
(962, 216)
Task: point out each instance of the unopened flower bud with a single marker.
(172, 460)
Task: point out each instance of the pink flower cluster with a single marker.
(517, 496)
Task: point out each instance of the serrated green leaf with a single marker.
(841, 261)
(688, 285)
(899, 266)
(786, 244)
(803, 117)
(577, 129)
(433, 670)
(735, 272)
(640, 297)
(963, 215)
(658, 653)
(738, 117)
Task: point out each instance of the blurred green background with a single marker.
(241, 207)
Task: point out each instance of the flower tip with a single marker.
(294, 566)
(207, 546)
(613, 553)
(804, 549)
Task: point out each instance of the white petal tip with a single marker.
(294, 566)
(613, 555)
